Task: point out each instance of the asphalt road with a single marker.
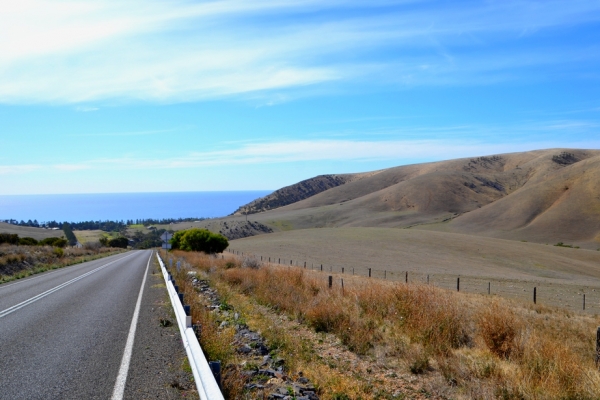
(63, 334)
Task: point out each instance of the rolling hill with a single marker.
(26, 231)
(541, 196)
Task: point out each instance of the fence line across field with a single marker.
(568, 296)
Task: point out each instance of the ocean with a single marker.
(123, 206)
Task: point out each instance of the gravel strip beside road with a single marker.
(159, 367)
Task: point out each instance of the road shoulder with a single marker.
(159, 367)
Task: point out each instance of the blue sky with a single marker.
(152, 96)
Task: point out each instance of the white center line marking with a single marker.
(40, 296)
(119, 388)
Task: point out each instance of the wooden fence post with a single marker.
(342, 270)
(584, 302)
(489, 287)
(369, 272)
(458, 284)
(406, 277)
(330, 281)
(597, 359)
(428, 279)
(321, 267)
(384, 274)
(535, 295)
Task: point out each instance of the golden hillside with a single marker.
(543, 196)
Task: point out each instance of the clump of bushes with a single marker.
(120, 242)
(9, 238)
(196, 239)
(54, 241)
(27, 241)
(13, 238)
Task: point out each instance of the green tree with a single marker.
(69, 234)
(199, 240)
(176, 240)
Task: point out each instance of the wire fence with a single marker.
(570, 296)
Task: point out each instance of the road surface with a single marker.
(64, 334)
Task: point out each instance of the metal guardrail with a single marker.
(208, 389)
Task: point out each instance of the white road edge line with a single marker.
(45, 275)
(119, 388)
(40, 296)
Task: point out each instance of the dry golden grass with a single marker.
(513, 268)
(518, 196)
(18, 262)
(461, 345)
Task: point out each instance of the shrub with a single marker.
(9, 238)
(58, 252)
(27, 241)
(120, 242)
(251, 262)
(53, 241)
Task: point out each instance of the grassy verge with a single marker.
(17, 262)
(453, 345)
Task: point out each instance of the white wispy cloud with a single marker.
(19, 169)
(332, 150)
(69, 51)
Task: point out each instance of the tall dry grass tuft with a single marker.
(500, 328)
(432, 317)
(551, 367)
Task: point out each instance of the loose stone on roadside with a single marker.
(264, 372)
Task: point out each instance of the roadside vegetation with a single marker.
(20, 261)
(396, 340)
(196, 239)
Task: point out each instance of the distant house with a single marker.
(78, 245)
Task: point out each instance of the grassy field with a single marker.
(25, 231)
(381, 340)
(561, 275)
(89, 236)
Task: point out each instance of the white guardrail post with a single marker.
(208, 389)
